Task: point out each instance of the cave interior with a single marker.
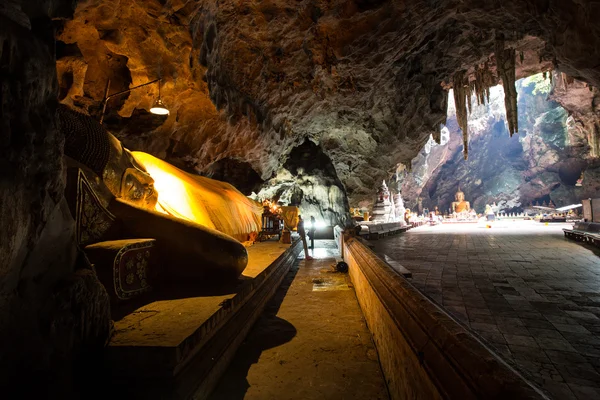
(313, 103)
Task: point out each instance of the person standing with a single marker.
(302, 234)
(311, 232)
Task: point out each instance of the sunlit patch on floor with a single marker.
(324, 253)
(328, 283)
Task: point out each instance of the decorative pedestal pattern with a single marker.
(126, 268)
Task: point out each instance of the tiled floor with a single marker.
(531, 294)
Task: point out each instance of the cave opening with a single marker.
(239, 173)
(571, 170)
(308, 179)
(544, 160)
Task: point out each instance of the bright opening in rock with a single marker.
(544, 160)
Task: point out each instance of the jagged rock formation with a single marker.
(308, 179)
(251, 81)
(541, 163)
(479, 84)
(49, 313)
(583, 103)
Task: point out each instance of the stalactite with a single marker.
(437, 131)
(592, 138)
(595, 143)
(478, 86)
(484, 79)
(489, 80)
(461, 91)
(446, 94)
(505, 65)
(437, 135)
(468, 95)
(566, 79)
(464, 88)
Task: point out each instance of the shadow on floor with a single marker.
(269, 331)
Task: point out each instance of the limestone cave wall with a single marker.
(308, 180)
(53, 310)
(250, 81)
(539, 164)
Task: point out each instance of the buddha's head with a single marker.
(88, 143)
(127, 179)
(460, 196)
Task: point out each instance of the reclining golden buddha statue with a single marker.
(199, 223)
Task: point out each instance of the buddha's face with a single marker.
(128, 180)
(460, 196)
(137, 188)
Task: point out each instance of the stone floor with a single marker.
(311, 342)
(528, 292)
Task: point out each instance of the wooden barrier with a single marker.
(424, 353)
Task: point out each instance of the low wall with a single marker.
(374, 230)
(424, 353)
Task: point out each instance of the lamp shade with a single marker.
(159, 108)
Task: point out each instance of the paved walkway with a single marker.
(310, 343)
(532, 295)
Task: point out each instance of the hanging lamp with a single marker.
(159, 107)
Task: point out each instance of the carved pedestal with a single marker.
(126, 268)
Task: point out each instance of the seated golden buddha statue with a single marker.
(460, 205)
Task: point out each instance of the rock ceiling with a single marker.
(366, 80)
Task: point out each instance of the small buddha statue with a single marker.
(460, 205)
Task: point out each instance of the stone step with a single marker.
(397, 266)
